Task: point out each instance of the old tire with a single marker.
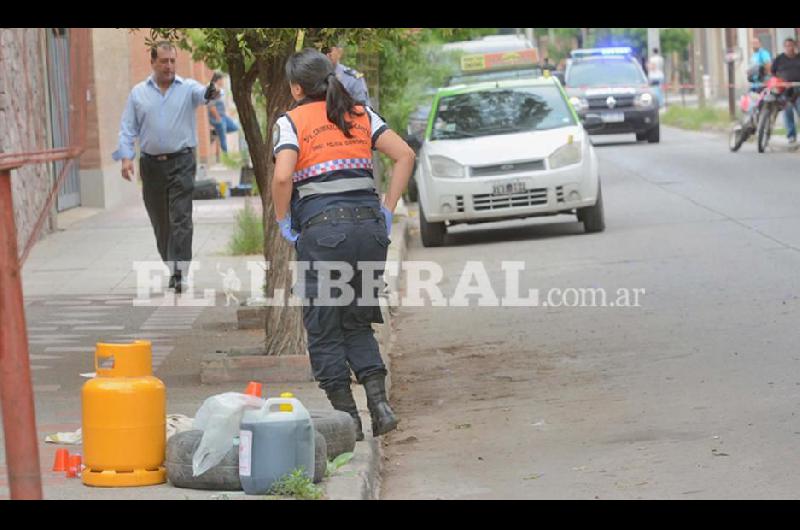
(339, 431)
(320, 457)
(225, 475)
(180, 450)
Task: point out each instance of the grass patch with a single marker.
(248, 235)
(696, 119)
(296, 484)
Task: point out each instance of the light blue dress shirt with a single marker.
(164, 123)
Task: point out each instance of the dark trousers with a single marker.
(340, 338)
(167, 187)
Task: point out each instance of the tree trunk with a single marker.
(285, 334)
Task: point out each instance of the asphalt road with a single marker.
(692, 395)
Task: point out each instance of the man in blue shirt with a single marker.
(160, 112)
(759, 66)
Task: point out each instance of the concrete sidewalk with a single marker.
(79, 286)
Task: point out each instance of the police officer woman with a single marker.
(327, 205)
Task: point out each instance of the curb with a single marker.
(361, 478)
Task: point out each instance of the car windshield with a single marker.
(604, 73)
(480, 77)
(501, 111)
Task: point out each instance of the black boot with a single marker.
(342, 399)
(383, 418)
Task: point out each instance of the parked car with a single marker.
(505, 150)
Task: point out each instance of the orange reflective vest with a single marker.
(328, 161)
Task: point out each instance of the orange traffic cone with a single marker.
(61, 461)
(253, 389)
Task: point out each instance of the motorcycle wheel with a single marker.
(736, 138)
(764, 129)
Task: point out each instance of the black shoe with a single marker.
(342, 399)
(383, 418)
(172, 282)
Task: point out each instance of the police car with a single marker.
(505, 150)
(610, 92)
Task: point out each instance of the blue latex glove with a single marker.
(286, 229)
(388, 216)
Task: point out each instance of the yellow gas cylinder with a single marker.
(124, 419)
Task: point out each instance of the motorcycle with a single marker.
(775, 101)
(751, 105)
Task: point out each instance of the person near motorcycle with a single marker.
(759, 66)
(787, 68)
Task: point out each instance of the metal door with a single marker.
(58, 70)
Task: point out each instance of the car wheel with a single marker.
(654, 136)
(592, 217)
(641, 137)
(433, 234)
(413, 192)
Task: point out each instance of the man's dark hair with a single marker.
(160, 44)
(314, 72)
(655, 50)
(789, 39)
(216, 77)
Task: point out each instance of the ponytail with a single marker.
(339, 103)
(314, 73)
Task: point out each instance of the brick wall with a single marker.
(90, 159)
(24, 122)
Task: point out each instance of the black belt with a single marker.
(358, 213)
(169, 156)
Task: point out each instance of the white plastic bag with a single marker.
(219, 418)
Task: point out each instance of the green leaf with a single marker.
(342, 460)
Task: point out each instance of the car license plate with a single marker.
(613, 117)
(508, 188)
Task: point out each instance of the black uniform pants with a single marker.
(167, 187)
(340, 338)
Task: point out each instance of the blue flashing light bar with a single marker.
(614, 50)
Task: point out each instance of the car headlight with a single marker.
(444, 167)
(644, 100)
(579, 104)
(565, 155)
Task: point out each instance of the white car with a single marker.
(505, 150)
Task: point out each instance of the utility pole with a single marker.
(699, 52)
(731, 57)
(529, 33)
(653, 40)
